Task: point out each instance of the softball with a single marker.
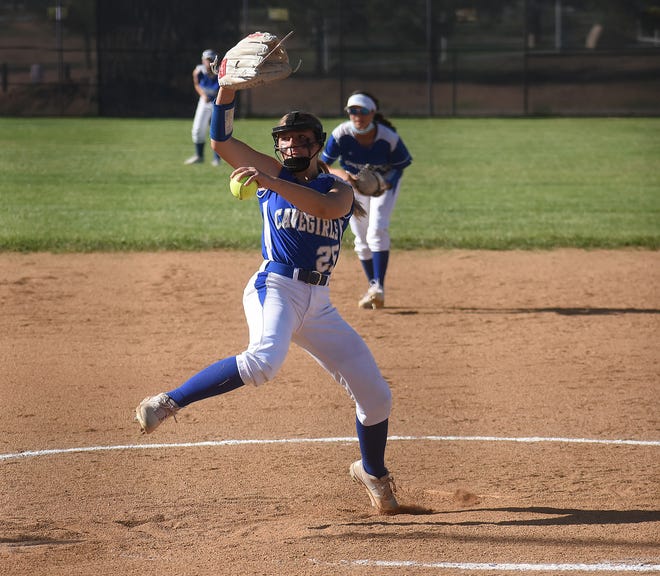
(240, 191)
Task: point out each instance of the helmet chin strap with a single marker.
(298, 163)
(364, 130)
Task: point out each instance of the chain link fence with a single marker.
(427, 58)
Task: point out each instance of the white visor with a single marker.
(362, 100)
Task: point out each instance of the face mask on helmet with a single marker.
(295, 122)
(297, 163)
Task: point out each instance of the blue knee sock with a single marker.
(380, 265)
(218, 378)
(372, 447)
(200, 149)
(368, 267)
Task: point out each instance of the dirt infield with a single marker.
(499, 363)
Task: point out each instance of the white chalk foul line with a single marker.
(215, 443)
(505, 567)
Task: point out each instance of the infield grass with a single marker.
(120, 184)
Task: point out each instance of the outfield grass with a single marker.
(117, 184)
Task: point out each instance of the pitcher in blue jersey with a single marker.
(205, 83)
(305, 212)
(367, 137)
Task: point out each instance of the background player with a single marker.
(369, 138)
(205, 83)
(305, 212)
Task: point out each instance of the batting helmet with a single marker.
(209, 55)
(300, 121)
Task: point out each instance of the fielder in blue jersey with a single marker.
(367, 137)
(305, 212)
(205, 83)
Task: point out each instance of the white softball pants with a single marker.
(372, 232)
(280, 310)
(201, 121)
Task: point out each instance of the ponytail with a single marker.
(358, 210)
(380, 119)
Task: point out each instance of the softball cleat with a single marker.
(154, 410)
(194, 160)
(379, 489)
(374, 299)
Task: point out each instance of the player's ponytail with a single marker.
(358, 210)
(380, 119)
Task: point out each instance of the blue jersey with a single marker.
(208, 82)
(291, 236)
(388, 154)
